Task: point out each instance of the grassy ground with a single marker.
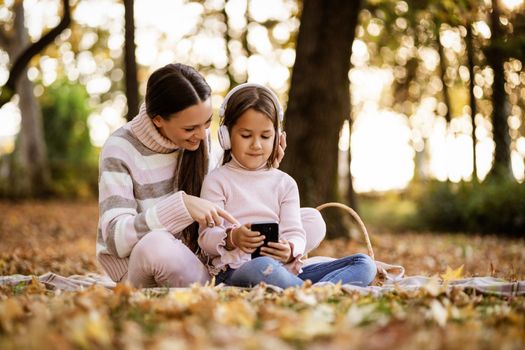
(37, 237)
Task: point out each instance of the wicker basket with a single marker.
(388, 271)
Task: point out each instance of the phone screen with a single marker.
(270, 230)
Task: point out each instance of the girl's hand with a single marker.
(281, 250)
(205, 212)
(280, 150)
(245, 239)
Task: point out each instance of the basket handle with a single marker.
(356, 217)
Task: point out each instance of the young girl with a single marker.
(248, 188)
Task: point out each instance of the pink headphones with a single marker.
(224, 134)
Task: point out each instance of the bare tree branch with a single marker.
(21, 62)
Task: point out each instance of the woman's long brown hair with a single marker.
(172, 89)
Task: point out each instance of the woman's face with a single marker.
(252, 139)
(186, 128)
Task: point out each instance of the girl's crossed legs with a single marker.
(358, 269)
(261, 269)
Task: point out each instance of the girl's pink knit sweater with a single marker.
(264, 195)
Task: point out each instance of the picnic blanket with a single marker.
(52, 281)
(484, 285)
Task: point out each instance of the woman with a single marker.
(151, 172)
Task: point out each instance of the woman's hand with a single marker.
(205, 212)
(245, 239)
(281, 250)
(280, 150)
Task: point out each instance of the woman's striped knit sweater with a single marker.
(137, 194)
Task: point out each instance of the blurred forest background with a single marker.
(412, 112)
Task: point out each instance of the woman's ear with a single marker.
(157, 120)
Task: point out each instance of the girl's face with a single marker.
(252, 139)
(186, 128)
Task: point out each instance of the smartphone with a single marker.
(270, 230)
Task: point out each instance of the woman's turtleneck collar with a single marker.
(143, 128)
(234, 163)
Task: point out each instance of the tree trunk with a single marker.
(319, 100)
(473, 109)
(351, 197)
(502, 165)
(132, 90)
(442, 73)
(29, 173)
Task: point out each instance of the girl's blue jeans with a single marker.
(357, 269)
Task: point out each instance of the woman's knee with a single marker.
(161, 251)
(154, 246)
(314, 227)
(166, 258)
